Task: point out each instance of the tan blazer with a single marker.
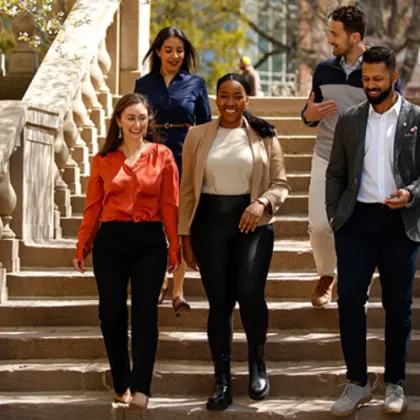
(268, 174)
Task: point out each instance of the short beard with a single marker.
(379, 99)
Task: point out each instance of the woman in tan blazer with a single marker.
(233, 183)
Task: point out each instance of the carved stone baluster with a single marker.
(113, 47)
(58, 234)
(90, 99)
(98, 115)
(81, 150)
(61, 190)
(72, 171)
(7, 203)
(104, 59)
(9, 246)
(82, 120)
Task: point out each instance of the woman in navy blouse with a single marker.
(179, 100)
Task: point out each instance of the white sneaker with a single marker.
(353, 396)
(395, 401)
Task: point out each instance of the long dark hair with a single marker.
(191, 59)
(113, 142)
(261, 126)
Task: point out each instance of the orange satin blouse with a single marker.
(148, 191)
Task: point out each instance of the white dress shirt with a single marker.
(229, 165)
(378, 180)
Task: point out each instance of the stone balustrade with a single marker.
(12, 122)
(66, 105)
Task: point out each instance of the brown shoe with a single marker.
(323, 292)
(180, 306)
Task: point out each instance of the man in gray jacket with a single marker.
(373, 207)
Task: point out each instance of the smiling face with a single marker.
(133, 121)
(340, 40)
(172, 54)
(231, 102)
(378, 82)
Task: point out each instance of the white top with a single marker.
(229, 163)
(378, 167)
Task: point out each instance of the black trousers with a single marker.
(373, 237)
(233, 267)
(136, 251)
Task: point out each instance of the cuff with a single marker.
(174, 256)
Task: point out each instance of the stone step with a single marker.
(286, 227)
(297, 144)
(285, 314)
(97, 406)
(296, 203)
(293, 255)
(291, 126)
(86, 343)
(300, 162)
(32, 285)
(299, 181)
(287, 379)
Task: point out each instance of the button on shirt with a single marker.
(185, 100)
(378, 180)
(146, 192)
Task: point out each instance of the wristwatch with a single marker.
(262, 201)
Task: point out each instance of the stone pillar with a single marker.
(135, 28)
(113, 46)
(23, 58)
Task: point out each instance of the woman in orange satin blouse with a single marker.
(131, 202)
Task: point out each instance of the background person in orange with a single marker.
(131, 201)
(251, 76)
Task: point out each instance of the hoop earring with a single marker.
(119, 132)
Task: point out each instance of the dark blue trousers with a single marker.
(374, 236)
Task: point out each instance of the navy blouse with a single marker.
(184, 101)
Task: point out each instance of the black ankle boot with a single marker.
(221, 397)
(259, 386)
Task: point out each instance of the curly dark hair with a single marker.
(380, 54)
(352, 18)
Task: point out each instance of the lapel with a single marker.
(201, 154)
(260, 159)
(360, 123)
(403, 126)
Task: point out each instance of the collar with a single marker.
(396, 108)
(343, 62)
(180, 75)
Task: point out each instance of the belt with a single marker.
(171, 125)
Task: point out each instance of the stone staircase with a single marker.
(53, 363)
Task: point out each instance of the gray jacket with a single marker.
(344, 171)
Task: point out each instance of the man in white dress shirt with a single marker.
(373, 205)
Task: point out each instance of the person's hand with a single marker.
(251, 217)
(398, 199)
(172, 268)
(317, 111)
(188, 253)
(79, 265)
